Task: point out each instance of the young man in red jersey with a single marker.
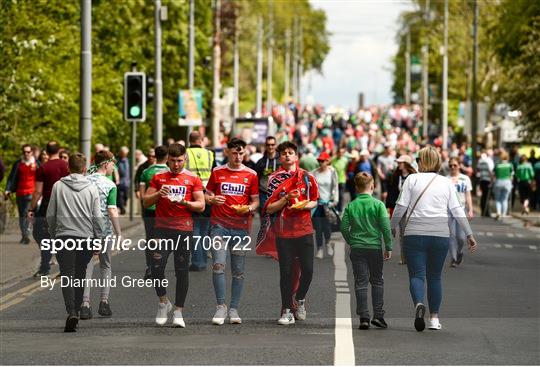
(233, 192)
(177, 194)
(294, 196)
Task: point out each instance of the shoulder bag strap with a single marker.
(416, 202)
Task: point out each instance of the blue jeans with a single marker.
(425, 257)
(201, 223)
(501, 191)
(321, 226)
(23, 204)
(238, 261)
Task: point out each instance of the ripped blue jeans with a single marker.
(219, 261)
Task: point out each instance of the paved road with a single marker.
(490, 315)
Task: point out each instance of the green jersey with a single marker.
(365, 223)
(504, 171)
(148, 174)
(524, 172)
(340, 165)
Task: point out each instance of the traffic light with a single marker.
(135, 96)
(149, 85)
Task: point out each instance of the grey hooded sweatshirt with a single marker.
(74, 209)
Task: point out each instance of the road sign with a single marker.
(190, 109)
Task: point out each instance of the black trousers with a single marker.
(484, 199)
(149, 219)
(289, 249)
(73, 265)
(181, 263)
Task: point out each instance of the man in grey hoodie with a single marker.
(74, 213)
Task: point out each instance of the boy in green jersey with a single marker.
(364, 226)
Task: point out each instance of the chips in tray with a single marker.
(299, 204)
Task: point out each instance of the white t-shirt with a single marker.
(431, 215)
(463, 184)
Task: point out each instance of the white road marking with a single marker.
(489, 234)
(481, 233)
(508, 246)
(496, 245)
(533, 247)
(511, 235)
(520, 235)
(344, 345)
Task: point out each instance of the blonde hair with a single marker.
(362, 180)
(430, 160)
(504, 155)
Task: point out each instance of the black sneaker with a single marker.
(364, 324)
(459, 259)
(40, 273)
(453, 264)
(104, 309)
(148, 273)
(195, 268)
(71, 324)
(86, 313)
(419, 323)
(25, 241)
(379, 322)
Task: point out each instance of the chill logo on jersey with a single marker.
(176, 193)
(232, 189)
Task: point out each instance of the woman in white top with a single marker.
(327, 182)
(425, 202)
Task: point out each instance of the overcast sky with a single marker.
(361, 47)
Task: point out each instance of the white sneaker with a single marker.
(330, 248)
(301, 310)
(178, 319)
(234, 318)
(287, 318)
(220, 315)
(433, 324)
(163, 311)
(319, 254)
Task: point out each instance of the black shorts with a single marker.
(384, 185)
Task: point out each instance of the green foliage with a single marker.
(40, 64)
(508, 61)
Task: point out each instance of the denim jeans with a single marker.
(41, 232)
(458, 239)
(23, 204)
(501, 191)
(105, 273)
(425, 257)
(201, 224)
(367, 265)
(73, 264)
(321, 226)
(238, 261)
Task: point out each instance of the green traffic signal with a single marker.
(135, 111)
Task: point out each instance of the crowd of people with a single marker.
(369, 175)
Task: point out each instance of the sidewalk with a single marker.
(530, 220)
(18, 262)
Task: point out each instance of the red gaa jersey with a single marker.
(292, 223)
(169, 213)
(236, 185)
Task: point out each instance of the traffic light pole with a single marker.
(132, 170)
(85, 121)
